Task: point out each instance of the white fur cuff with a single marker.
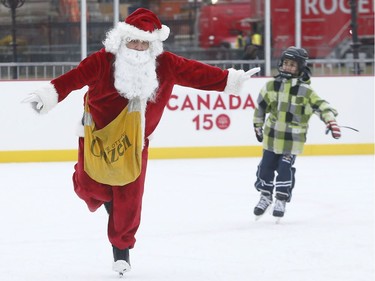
(234, 82)
(49, 97)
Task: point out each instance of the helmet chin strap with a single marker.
(304, 74)
(287, 75)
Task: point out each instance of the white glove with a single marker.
(35, 101)
(237, 80)
(247, 75)
(252, 71)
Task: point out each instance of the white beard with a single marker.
(135, 74)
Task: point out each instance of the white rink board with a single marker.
(184, 124)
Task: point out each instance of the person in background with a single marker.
(253, 49)
(289, 101)
(130, 74)
(240, 41)
(257, 41)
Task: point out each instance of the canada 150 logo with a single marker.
(212, 103)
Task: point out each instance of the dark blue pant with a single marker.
(284, 181)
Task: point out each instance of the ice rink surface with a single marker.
(197, 224)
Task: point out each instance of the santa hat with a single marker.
(142, 24)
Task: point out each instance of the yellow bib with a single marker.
(113, 154)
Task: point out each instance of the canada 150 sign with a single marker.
(210, 107)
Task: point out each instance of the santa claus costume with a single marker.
(116, 75)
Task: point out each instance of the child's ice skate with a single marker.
(264, 203)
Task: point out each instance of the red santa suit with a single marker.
(105, 104)
(97, 72)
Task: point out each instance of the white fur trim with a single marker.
(234, 81)
(49, 97)
(123, 30)
(163, 33)
(80, 129)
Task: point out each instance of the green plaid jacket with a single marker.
(289, 105)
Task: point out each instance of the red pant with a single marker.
(126, 200)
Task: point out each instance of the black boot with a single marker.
(121, 254)
(121, 262)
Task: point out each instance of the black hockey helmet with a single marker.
(299, 55)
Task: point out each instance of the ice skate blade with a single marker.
(121, 267)
(258, 217)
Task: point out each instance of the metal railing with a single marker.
(34, 70)
(319, 67)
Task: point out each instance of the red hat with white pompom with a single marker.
(142, 24)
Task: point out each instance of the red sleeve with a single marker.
(85, 74)
(194, 74)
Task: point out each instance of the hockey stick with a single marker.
(346, 127)
(351, 128)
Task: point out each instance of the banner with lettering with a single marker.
(205, 118)
(192, 118)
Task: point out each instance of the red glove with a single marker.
(334, 128)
